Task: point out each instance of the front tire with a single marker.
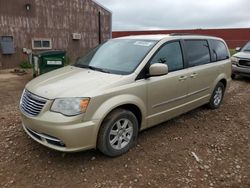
(217, 96)
(118, 133)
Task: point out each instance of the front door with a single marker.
(167, 94)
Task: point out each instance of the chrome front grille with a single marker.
(244, 63)
(32, 104)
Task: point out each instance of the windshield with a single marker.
(246, 47)
(117, 56)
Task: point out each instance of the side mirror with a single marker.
(238, 49)
(158, 69)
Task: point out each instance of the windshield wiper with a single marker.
(92, 68)
(98, 69)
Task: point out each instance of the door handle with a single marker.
(182, 78)
(193, 75)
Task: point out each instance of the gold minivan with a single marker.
(123, 86)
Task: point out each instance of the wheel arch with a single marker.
(221, 78)
(224, 82)
(128, 102)
(132, 108)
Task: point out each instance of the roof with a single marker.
(159, 37)
(145, 37)
(99, 4)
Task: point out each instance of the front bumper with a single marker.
(240, 70)
(68, 136)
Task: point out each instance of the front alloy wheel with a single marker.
(121, 134)
(118, 133)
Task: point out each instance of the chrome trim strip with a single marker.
(198, 91)
(179, 98)
(169, 101)
(29, 108)
(44, 136)
(32, 100)
(177, 107)
(243, 66)
(35, 97)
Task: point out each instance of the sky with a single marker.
(178, 14)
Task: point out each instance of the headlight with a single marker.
(70, 106)
(235, 60)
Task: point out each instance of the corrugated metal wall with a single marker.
(55, 19)
(233, 37)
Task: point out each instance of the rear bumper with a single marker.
(240, 70)
(70, 137)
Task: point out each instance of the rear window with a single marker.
(219, 50)
(197, 52)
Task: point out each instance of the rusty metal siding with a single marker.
(233, 37)
(55, 19)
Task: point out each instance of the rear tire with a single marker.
(217, 96)
(118, 133)
(233, 76)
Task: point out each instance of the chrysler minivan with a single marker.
(123, 86)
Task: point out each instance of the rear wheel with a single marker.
(233, 76)
(118, 133)
(217, 96)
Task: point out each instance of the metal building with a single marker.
(37, 25)
(235, 37)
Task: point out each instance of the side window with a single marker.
(170, 54)
(219, 50)
(41, 44)
(7, 45)
(197, 52)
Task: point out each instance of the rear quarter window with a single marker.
(218, 50)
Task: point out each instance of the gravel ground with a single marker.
(164, 156)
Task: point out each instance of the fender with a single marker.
(116, 101)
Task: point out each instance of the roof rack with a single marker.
(184, 34)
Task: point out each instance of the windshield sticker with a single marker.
(143, 43)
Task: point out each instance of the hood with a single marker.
(71, 81)
(244, 55)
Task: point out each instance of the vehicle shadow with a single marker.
(242, 78)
